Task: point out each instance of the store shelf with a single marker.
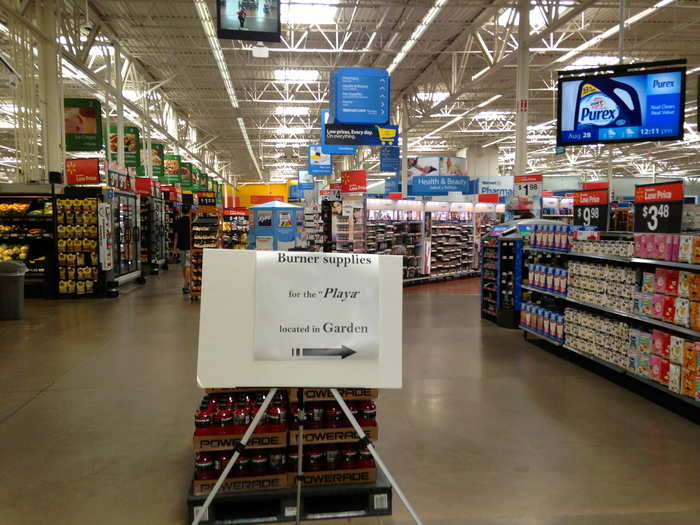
(603, 362)
(637, 317)
(545, 250)
(541, 336)
(661, 387)
(613, 258)
(670, 264)
(353, 500)
(546, 292)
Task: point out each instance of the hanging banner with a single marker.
(361, 135)
(390, 158)
(438, 185)
(186, 175)
(354, 181)
(328, 149)
(319, 163)
(658, 208)
(198, 182)
(591, 208)
(157, 157)
(82, 119)
(132, 151)
(360, 95)
(171, 169)
(83, 171)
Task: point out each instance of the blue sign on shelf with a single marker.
(319, 163)
(357, 135)
(360, 95)
(392, 184)
(329, 149)
(437, 184)
(389, 158)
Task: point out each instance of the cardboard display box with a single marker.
(233, 485)
(228, 442)
(315, 436)
(335, 477)
(324, 394)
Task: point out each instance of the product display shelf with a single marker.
(545, 250)
(603, 362)
(397, 237)
(27, 234)
(78, 247)
(205, 234)
(317, 503)
(637, 317)
(313, 229)
(452, 247)
(541, 336)
(670, 264)
(611, 258)
(170, 214)
(235, 227)
(541, 290)
(507, 277)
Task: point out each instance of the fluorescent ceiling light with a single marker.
(436, 96)
(537, 18)
(613, 30)
(296, 76)
(292, 111)
(308, 12)
(593, 61)
(417, 33)
(290, 131)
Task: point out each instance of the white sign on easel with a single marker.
(316, 306)
(295, 319)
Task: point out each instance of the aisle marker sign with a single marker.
(591, 208)
(360, 96)
(658, 208)
(330, 309)
(295, 319)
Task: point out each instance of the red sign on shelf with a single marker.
(354, 181)
(671, 191)
(336, 185)
(83, 171)
(595, 185)
(262, 199)
(524, 179)
(243, 212)
(591, 198)
(395, 195)
(488, 197)
(145, 186)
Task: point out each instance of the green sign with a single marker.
(157, 156)
(83, 122)
(171, 170)
(186, 172)
(132, 151)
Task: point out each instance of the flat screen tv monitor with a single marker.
(256, 20)
(621, 107)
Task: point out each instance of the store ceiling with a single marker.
(464, 58)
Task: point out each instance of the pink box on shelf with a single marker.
(660, 343)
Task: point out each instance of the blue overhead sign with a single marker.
(358, 135)
(319, 163)
(360, 95)
(389, 158)
(437, 184)
(329, 149)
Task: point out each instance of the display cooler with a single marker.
(28, 235)
(234, 235)
(126, 220)
(206, 226)
(154, 234)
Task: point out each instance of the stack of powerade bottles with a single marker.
(543, 321)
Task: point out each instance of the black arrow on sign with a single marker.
(341, 352)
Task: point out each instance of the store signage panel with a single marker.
(360, 96)
(120, 178)
(83, 171)
(83, 124)
(658, 208)
(591, 208)
(330, 149)
(319, 163)
(132, 145)
(437, 184)
(317, 319)
(354, 181)
(362, 135)
(390, 158)
(528, 187)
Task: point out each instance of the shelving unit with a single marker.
(235, 227)
(78, 255)
(28, 234)
(501, 279)
(206, 224)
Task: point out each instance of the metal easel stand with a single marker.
(364, 440)
(300, 452)
(240, 447)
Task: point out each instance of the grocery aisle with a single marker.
(97, 400)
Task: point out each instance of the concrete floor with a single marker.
(97, 400)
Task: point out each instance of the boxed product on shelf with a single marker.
(666, 281)
(661, 343)
(549, 278)
(660, 246)
(325, 394)
(599, 336)
(603, 247)
(674, 378)
(332, 464)
(659, 369)
(676, 349)
(689, 382)
(543, 321)
(254, 470)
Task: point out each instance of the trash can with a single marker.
(11, 290)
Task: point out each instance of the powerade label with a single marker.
(618, 108)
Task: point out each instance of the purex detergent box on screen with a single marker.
(623, 107)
